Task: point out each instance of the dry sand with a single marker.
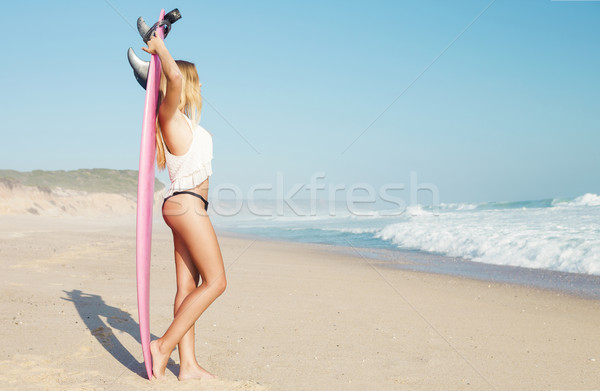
(294, 317)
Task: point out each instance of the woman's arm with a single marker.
(169, 104)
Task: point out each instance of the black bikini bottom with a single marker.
(190, 193)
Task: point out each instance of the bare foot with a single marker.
(159, 360)
(194, 372)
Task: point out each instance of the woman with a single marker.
(186, 149)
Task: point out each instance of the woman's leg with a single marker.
(191, 223)
(187, 280)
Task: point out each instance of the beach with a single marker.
(405, 195)
(294, 316)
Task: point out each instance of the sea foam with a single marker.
(556, 234)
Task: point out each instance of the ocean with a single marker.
(560, 235)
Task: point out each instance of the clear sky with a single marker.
(509, 110)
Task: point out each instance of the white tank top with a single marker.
(192, 168)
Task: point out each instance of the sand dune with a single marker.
(68, 198)
(19, 199)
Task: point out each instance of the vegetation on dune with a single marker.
(97, 180)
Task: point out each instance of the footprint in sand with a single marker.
(104, 335)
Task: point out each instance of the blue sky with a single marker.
(508, 112)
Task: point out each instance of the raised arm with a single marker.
(168, 107)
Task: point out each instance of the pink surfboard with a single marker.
(145, 200)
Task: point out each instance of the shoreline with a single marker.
(584, 286)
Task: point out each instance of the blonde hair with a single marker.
(190, 102)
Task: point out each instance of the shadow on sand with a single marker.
(92, 309)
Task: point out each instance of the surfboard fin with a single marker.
(142, 28)
(173, 16)
(146, 32)
(139, 66)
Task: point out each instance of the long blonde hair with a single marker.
(190, 102)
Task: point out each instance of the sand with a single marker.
(18, 199)
(293, 317)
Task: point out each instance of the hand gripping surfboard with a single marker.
(148, 75)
